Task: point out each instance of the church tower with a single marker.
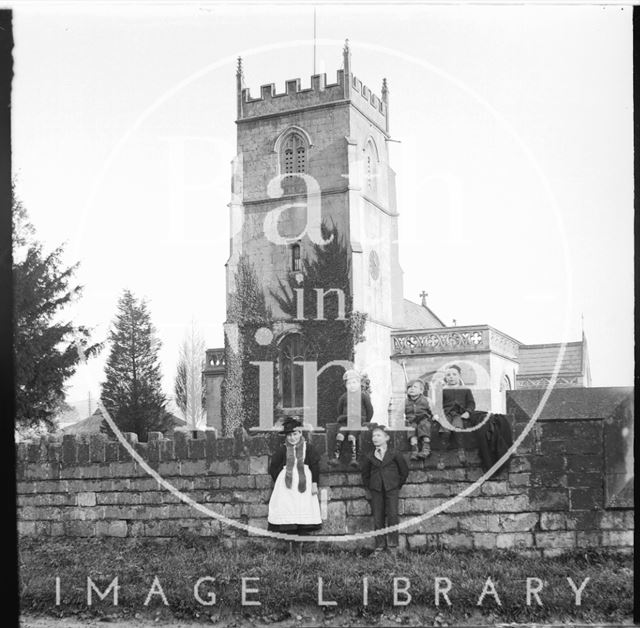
(310, 154)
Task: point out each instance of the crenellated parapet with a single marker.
(347, 88)
(366, 100)
(293, 96)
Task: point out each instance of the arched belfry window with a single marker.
(293, 147)
(371, 167)
(291, 350)
(294, 152)
(301, 159)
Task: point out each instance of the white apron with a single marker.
(289, 505)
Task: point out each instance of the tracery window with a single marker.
(293, 161)
(295, 257)
(371, 168)
(291, 350)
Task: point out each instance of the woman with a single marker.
(295, 468)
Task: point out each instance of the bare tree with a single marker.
(189, 382)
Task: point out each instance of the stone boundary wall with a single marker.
(551, 500)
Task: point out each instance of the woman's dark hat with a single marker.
(290, 424)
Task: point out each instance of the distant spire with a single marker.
(424, 296)
(346, 64)
(314, 40)
(239, 87)
(385, 100)
(346, 57)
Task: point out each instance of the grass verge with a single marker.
(288, 582)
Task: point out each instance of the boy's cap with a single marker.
(351, 374)
(415, 381)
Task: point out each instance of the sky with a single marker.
(513, 152)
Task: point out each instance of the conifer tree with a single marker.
(47, 349)
(132, 392)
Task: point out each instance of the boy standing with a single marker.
(418, 414)
(384, 471)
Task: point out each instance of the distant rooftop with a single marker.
(93, 423)
(541, 359)
(419, 317)
(90, 425)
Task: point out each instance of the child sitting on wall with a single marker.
(418, 414)
(356, 397)
(457, 404)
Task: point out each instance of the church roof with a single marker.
(93, 423)
(90, 425)
(541, 359)
(419, 317)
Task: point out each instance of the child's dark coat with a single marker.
(387, 474)
(384, 478)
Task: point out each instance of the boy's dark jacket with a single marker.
(457, 401)
(387, 474)
(366, 408)
(415, 410)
